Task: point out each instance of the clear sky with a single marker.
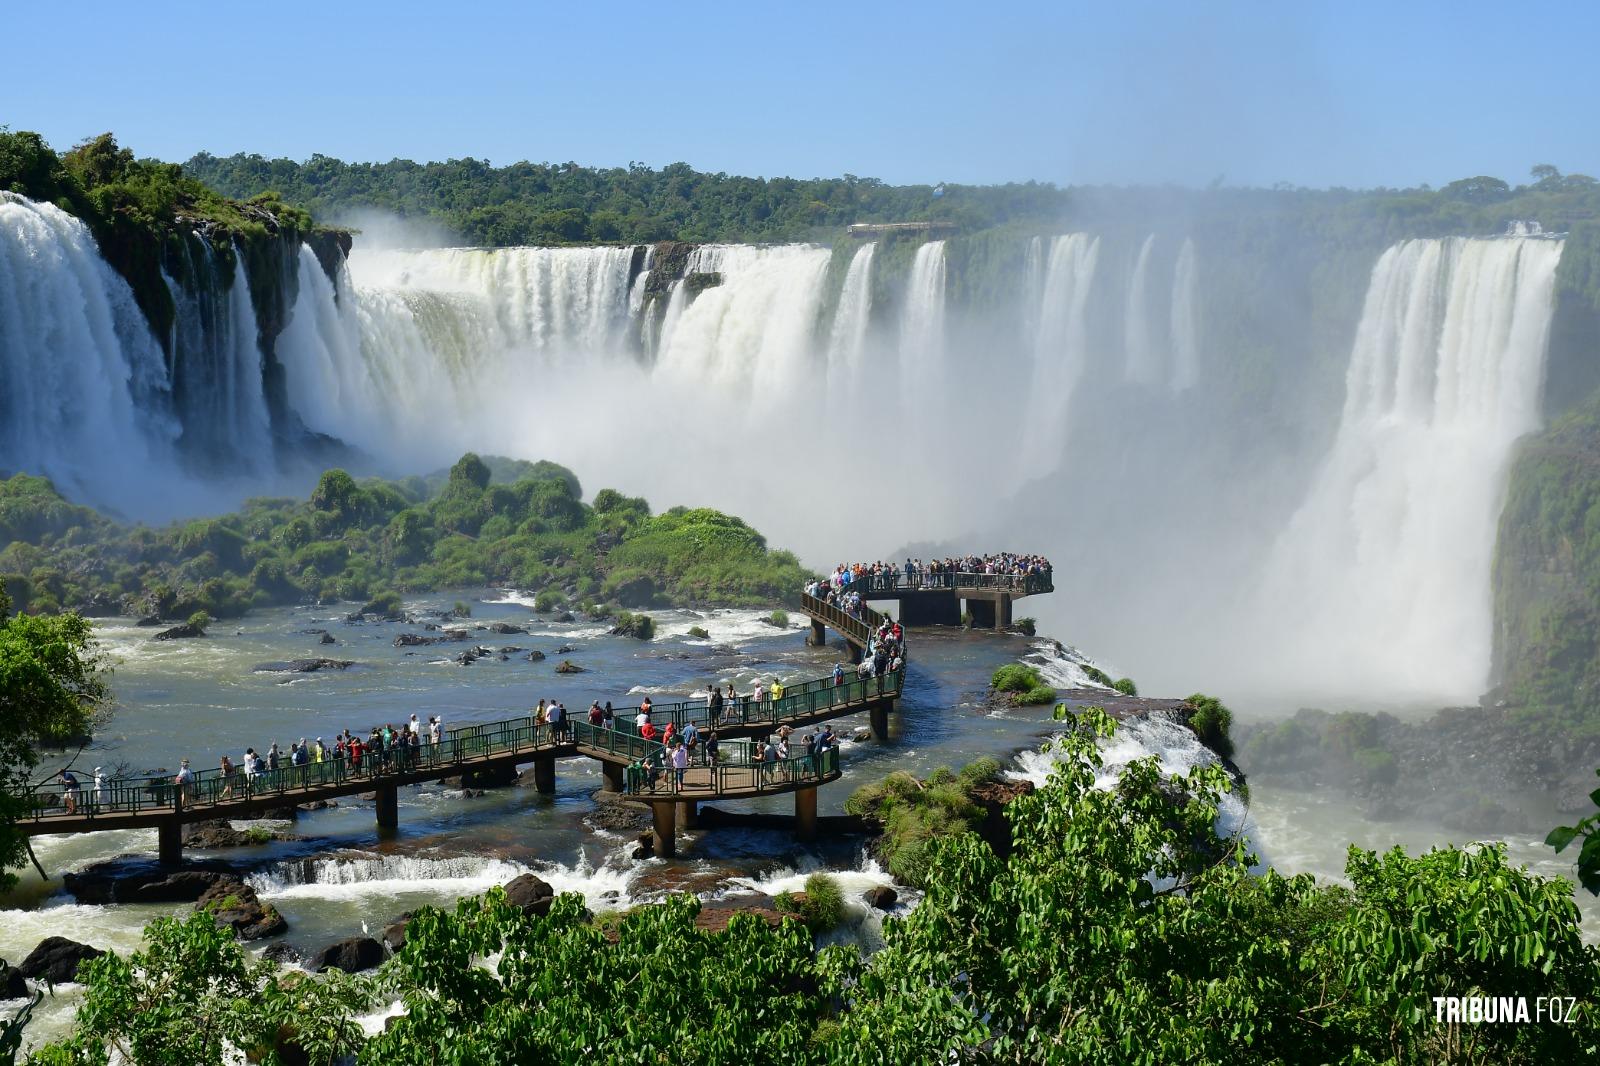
(1351, 93)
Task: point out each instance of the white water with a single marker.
(850, 321)
(84, 392)
(1136, 327)
(922, 324)
(1185, 342)
(1381, 581)
(1061, 349)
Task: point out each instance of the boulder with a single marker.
(102, 886)
(149, 621)
(235, 905)
(56, 960)
(394, 934)
(416, 640)
(564, 649)
(489, 777)
(511, 649)
(565, 616)
(302, 666)
(531, 893)
(351, 955)
(881, 897)
(569, 667)
(327, 638)
(283, 953)
(535, 656)
(505, 627)
(182, 632)
(220, 833)
(12, 984)
(861, 736)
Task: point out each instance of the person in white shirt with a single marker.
(414, 726)
(680, 762)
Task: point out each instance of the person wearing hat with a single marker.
(185, 782)
(101, 795)
(69, 795)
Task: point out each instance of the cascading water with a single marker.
(1061, 349)
(922, 325)
(1185, 342)
(83, 384)
(1136, 329)
(1380, 583)
(849, 334)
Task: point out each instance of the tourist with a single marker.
(540, 715)
(273, 756)
(644, 706)
(691, 737)
(668, 733)
(680, 763)
(711, 749)
(641, 719)
(732, 701)
(356, 752)
(714, 705)
(102, 794)
(610, 719)
(320, 752)
(227, 778)
(249, 771)
(597, 716)
(759, 758)
(69, 795)
(838, 674)
(185, 782)
(776, 691)
(760, 693)
(414, 727)
(647, 731)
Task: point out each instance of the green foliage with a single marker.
(1211, 722)
(1024, 683)
(779, 618)
(193, 990)
(699, 632)
(374, 540)
(199, 621)
(1586, 831)
(1126, 686)
(51, 686)
(824, 906)
(461, 609)
(638, 626)
(912, 814)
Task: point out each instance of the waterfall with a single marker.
(922, 328)
(1061, 349)
(753, 331)
(1384, 570)
(83, 383)
(850, 319)
(1185, 345)
(1141, 355)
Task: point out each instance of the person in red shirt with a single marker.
(648, 731)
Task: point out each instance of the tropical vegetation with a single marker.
(485, 522)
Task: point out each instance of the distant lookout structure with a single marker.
(865, 231)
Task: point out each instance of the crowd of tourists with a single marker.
(844, 586)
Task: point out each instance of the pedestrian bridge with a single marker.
(155, 802)
(926, 599)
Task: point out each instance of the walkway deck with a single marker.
(928, 599)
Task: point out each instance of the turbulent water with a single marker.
(761, 373)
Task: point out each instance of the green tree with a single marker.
(50, 689)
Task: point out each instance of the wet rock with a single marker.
(535, 656)
(569, 667)
(415, 640)
(183, 632)
(565, 616)
(394, 934)
(881, 897)
(56, 960)
(861, 736)
(699, 633)
(149, 621)
(302, 666)
(645, 848)
(221, 834)
(102, 886)
(12, 984)
(564, 649)
(283, 953)
(714, 917)
(235, 905)
(618, 816)
(327, 638)
(510, 649)
(351, 955)
(490, 777)
(505, 627)
(533, 894)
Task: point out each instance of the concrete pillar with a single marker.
(983, 613)
(689, 814)
(544, 774)
(880, 721)
(1002, 612)
(388, 806)
(169, 842)
(664, 830)
(805, 814)
(819, 634)
(612, 772)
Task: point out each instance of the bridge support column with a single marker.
(880, 721)
(819, 634)
(544, 775)
(983, 613)
(612, 772)
(805, 814)
(664, 830)
(388, 806)
(689, 814)
(169, 842)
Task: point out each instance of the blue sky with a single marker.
(1354, 93)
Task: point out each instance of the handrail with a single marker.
(895, 581)
(650, 772)
(457, 749)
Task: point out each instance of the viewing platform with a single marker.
(865, 231)
(926, 600)
(157, 802)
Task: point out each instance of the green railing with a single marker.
(861, 627)
(651, 772)
(797, 702)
